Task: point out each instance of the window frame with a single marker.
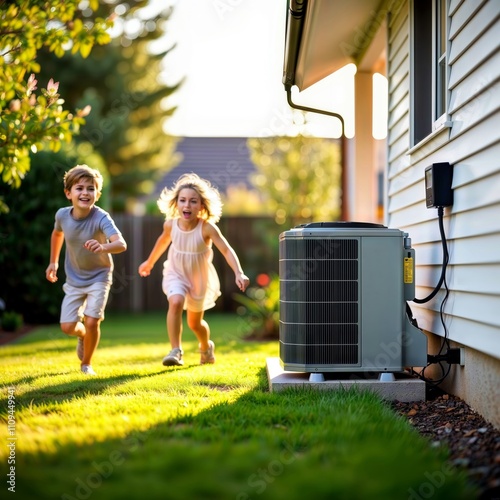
(429, 48)
(439, 62)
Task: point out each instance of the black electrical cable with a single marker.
(442, 280)
(444, 265)
(430, 381)
(441, 315)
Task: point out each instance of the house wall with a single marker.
(472, 224)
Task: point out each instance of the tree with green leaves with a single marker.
(122, 82)
(299, 178)
(31, 122)
(119, 82)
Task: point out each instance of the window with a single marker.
(428, 67)
(440, 59)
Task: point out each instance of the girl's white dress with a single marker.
(189, 270)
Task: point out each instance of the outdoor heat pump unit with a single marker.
(343, 293)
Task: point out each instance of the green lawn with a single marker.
(141, 430)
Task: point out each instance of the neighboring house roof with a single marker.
(223, 161)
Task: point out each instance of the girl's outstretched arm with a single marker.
(162, 243)
(211, 231)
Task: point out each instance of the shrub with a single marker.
(12, 321)
(25, 237)
(260, 307)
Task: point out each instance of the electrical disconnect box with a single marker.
(438, 180)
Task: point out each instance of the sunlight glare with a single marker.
(380, 106)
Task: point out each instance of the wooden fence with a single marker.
(255, 240)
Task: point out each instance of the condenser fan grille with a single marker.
(311, 312)
(318, 249)
(320, 354)
(319, 294)
(326, 333)
(305, 270)
(321, 290)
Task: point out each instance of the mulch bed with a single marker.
(473, 443)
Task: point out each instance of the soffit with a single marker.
(333, 33)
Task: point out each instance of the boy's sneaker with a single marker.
(88, 370)
(208, 356)
(173, 358)
(79, 348)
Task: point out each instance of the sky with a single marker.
(230, 54)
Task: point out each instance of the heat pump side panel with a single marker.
(382, 304)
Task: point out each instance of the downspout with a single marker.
(313, 110)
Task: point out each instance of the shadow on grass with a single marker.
(52, 340)
(21, 380)
(289, 445)
(147, 328)
(66, 392)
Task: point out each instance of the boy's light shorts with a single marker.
(84, 301)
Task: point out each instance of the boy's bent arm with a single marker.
(56, 243)
(115, 245)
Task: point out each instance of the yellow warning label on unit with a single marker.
(408, 270)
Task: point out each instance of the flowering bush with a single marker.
(28, 123)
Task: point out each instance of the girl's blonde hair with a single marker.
(209, 196)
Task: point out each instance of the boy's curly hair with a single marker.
(209, 195)
(78, 172)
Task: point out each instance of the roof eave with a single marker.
(323, 36)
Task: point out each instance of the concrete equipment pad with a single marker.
(404, 387)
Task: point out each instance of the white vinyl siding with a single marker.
(399, 95)
(472, 145)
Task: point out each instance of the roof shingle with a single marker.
(223, 161)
